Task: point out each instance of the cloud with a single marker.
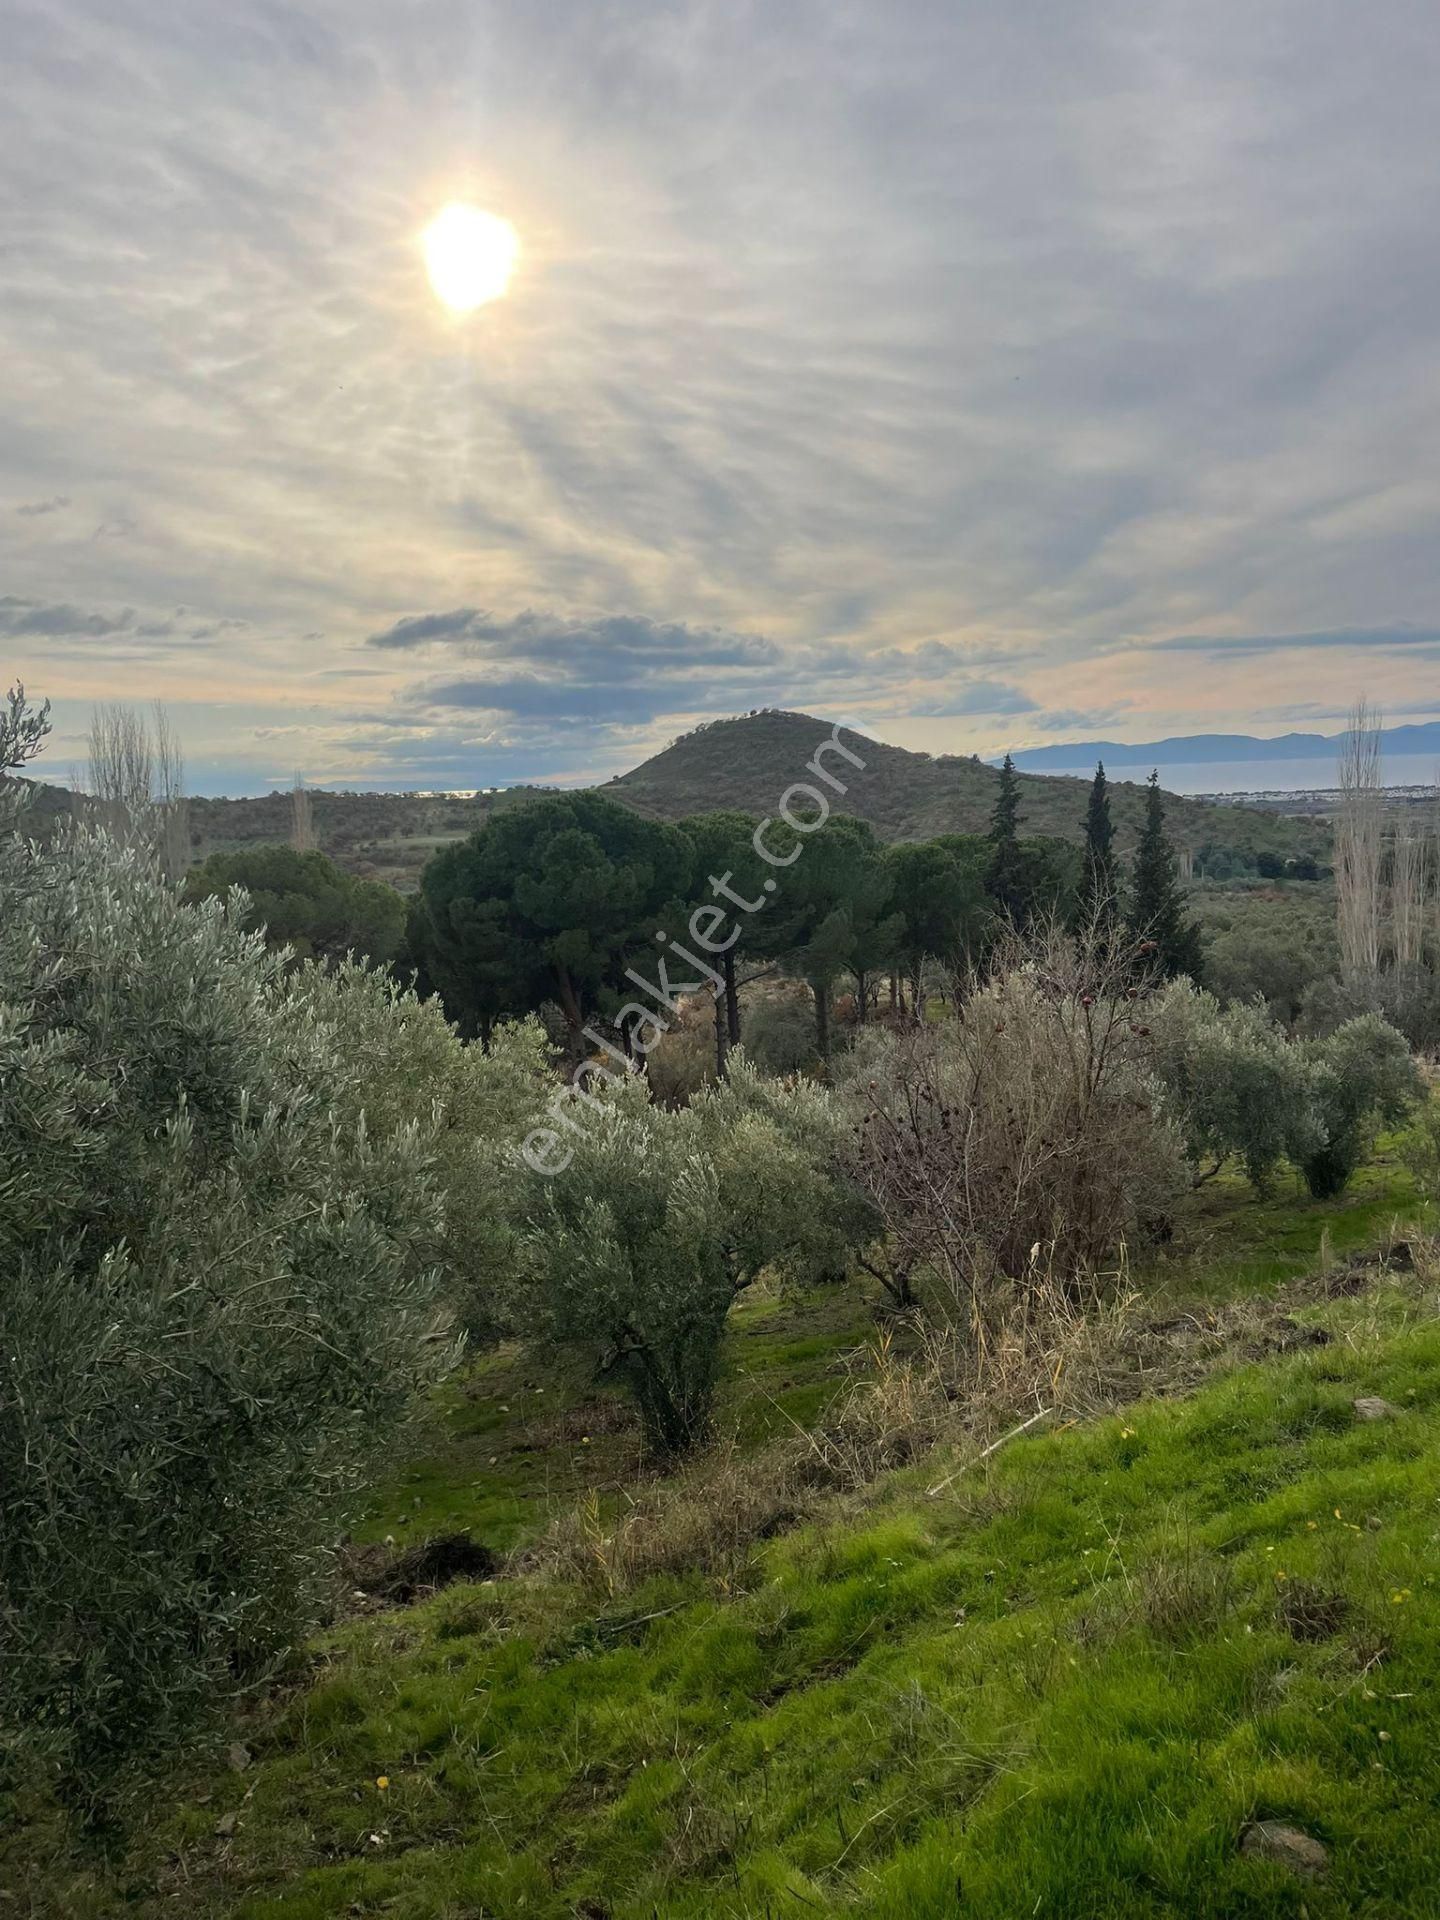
(618, 643)
(976, 697)
(616, 668)
(1379, 639)
(625, 668)
(548, 699)
(21, 619)
(892, 357)
(35, 509)
(127, 630)
(423, 629)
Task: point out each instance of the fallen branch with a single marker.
(994, 1447)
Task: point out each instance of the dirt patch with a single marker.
(1360, 1272)
(1285, 1335)
(573, 1426)
(395, 1579)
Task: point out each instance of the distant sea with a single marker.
(1258, 776)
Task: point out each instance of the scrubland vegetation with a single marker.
(951, 1430)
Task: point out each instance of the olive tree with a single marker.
(1236, 1085)
(637, 1248)
(1232, 1082)
(408, 1065)
(1362, 1076)
(217, 1278)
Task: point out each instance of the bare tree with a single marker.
(302, 819)
(136, 780)
(1019, 1141)
(169, 798)
(1358, 843)
(1409, 891)
(121, 770)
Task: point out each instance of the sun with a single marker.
(469, 256)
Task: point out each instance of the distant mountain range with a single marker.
(1230, 748)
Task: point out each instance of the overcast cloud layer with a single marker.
(987, 373)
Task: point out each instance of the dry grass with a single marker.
(912, 1389)
(918, 1389)
(706, 1518)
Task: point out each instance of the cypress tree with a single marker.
(1005, 879)
(1157, 911)
(1097, 882)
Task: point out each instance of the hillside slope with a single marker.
(748, 763)
(1060, 1679)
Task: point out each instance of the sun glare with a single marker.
(469, 256)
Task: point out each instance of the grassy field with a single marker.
(1062, 1686)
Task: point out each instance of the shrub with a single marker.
(1422, 1145)
(1022, 1138)
(636, 1250)
(780, 1032)
(406, 1065)
(1361, 1076)
(1407, 997)
(1232, 1083)
(683, 1060)
(216, 1280)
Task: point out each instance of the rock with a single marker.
(238, 1755)
(1287, 1847)
(1371, 1407)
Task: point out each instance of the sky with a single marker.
(986, 374)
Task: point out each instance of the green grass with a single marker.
(1233, 1243)
(1061, 1687)
(511, 1445)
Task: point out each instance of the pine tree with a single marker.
(1157, 910)
(1098, 877)
(1005, 881)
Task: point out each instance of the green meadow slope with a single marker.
(1064, 1685)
